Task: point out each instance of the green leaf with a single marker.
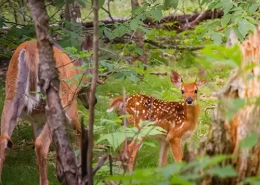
(244, 27)
(114, 139)
(225, 20)
(222, 172)
(119, 75)
(100, 3)
(134, 24)
(238, 34)
(82, 3)
(253, 8)
(108, 33)
(170, 3)
(227, 6)
(133, 78)
(217, 38)
(249, 141)
(156, 13)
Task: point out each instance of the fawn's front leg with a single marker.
(175, 144)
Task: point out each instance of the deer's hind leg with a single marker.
(42, 143)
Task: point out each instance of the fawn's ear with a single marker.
(201, 78)
(176, 79)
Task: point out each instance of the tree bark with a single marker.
(49, 81)
(226, 135)
(92, 94)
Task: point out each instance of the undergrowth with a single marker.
(20, 166)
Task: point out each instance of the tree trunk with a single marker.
(49, 81)
(139, 39)
(226, 135)
(92, 94)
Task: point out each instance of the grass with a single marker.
(20, 165)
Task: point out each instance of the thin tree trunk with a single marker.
(139, 39)
(49, 81)
(92, 93)
(226, 135)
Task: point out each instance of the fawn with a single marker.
(178, 119)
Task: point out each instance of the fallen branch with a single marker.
(180, 22)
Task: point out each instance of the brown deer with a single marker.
(23, 100)
(178, 119)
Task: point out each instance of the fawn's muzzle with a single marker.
(189, 100)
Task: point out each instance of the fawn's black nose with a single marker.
(189, 100)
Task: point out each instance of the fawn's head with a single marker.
(190, 90)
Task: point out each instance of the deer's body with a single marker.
(23, 100)
(178, 119)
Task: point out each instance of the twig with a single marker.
(99, 165)
(159, 73)
(109, 14)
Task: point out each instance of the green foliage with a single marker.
(178, 173)
(230, 56)
(116, 138)
(249, 141)
(237, 16)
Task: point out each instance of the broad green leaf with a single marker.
(243, 27)
(222, 172)
(253, 8)
(156, 13)
(249, 141)
(82, 3)
(119, 75)
(100, 3)
(108, 33)
(227, 6)
(114, 139)
(134, 24)
(217, 38)
(225, 20)
(238, 34)
(133, 78)
(251, 19)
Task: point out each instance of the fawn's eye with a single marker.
(196, 91)
(182, 91)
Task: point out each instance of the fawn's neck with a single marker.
(192, 112)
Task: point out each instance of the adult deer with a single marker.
(178, 119)
(23, 99)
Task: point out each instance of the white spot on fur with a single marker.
(110, 110)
